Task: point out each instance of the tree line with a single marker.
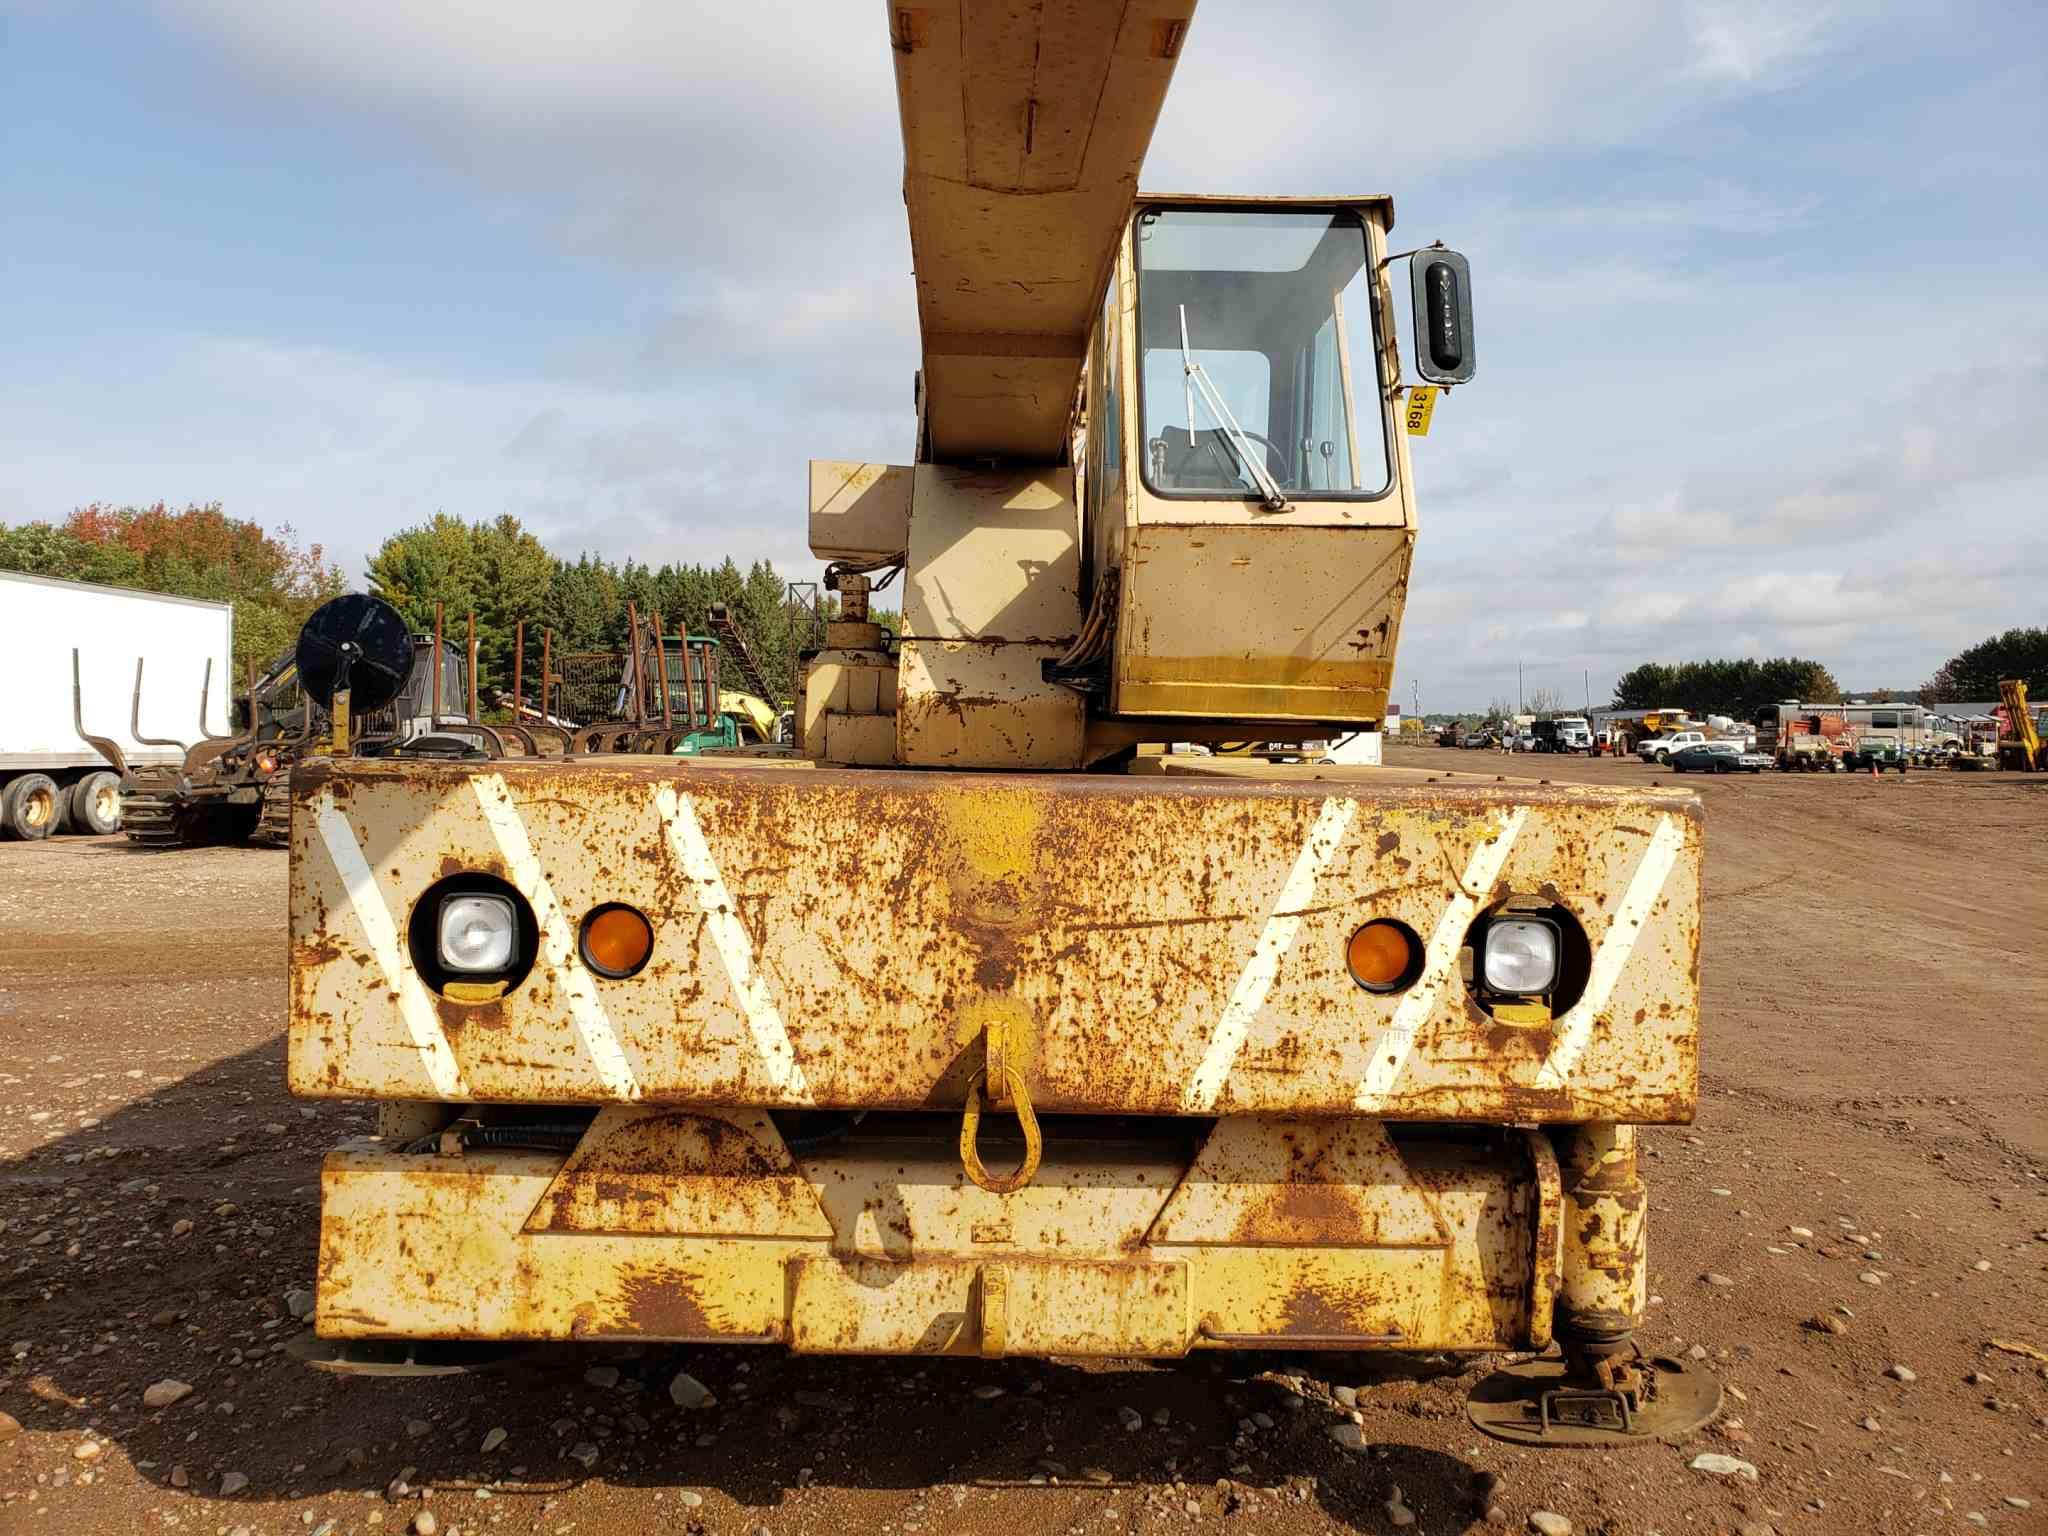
(1975, 674)
(495, 568)
(1741, 688)
(503, 573)
(1737, 688)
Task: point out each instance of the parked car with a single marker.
(1474, 739)
(1522, 741)
(1658, 748)
(1717, 757)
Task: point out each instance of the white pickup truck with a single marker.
(1657, 748)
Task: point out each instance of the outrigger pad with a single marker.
(1539, 1403)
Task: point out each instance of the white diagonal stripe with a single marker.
(366, 901)
(557, 938)
(1388, 1055)
(729, 937)
(1575, 1032)
(1256, 980)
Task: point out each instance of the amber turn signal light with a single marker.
(616, 940)
(1384, 956)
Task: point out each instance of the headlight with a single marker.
(1520, 956)
(477, 934)
(266, 762)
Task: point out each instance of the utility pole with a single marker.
(1586, 677)
(1518, 688)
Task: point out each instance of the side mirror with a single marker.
(1441, 284)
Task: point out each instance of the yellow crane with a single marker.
(2020, 746)
(931, 1042)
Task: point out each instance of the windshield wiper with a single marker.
(1198, 378)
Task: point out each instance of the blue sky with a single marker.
(1764, 352)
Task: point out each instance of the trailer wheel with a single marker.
(96, 804)
(29, 807)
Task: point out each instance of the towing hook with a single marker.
(970, 1132)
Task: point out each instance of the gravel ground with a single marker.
(1858, 1214)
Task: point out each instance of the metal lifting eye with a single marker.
(1027, 1121)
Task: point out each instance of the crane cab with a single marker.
(1245, 499)
(1225, 544)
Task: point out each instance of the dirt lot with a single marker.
(1871, 1147)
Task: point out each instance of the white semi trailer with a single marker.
(51, 778)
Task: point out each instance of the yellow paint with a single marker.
(473, 991)
(993, 831)
(1420, 407)
(414, 1247)
(1262, 701)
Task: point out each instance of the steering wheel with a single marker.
(1219, 443)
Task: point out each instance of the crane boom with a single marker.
(1025, 123)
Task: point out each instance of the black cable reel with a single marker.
(355, 642)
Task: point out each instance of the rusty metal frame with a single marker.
(106, 746)
(704, 1226)
(135, 713)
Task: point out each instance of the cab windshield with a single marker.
(1278, 314)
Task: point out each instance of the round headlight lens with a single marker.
(477, 933)
(1521, 956)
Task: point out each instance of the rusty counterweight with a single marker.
(841, 938)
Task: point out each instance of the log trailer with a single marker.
(982, 1026)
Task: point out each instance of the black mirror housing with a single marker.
(1440, 283)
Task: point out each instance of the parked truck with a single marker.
(1564, 733)
(128, 668)
(1659, 748)
(1285, 1056)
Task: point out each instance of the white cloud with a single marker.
(684, 135)
(1742, 41)
(1880, 548)
(348, 448)
(1666, 455)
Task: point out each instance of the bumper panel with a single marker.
(839, 938)
(888, 1249)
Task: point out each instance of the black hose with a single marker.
(549, 1138)
(546, 1137)
(799, 1145)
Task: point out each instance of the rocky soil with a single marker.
(1853, 1237)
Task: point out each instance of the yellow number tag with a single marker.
(1421, 406)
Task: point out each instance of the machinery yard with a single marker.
(1009, 1030)
(1852, 1238)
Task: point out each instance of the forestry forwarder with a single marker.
(1284, 1057)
